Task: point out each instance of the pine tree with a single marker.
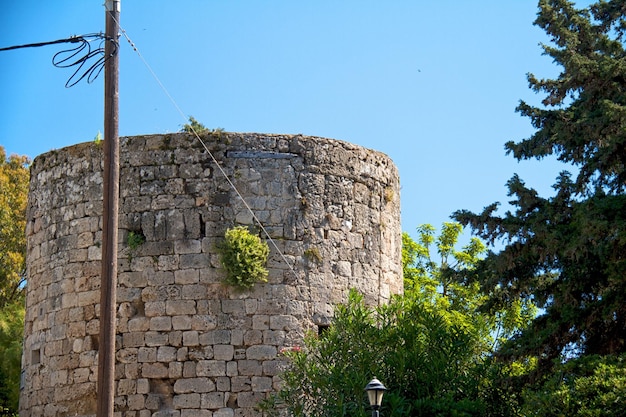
(567, 252)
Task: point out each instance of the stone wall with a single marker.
(187, 345)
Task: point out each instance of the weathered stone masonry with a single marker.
(186, 344)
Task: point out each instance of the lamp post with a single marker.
(375, 390)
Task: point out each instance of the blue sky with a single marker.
(433, 84)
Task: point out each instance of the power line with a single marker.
(34, 45)
(78, 56)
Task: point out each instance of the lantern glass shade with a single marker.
(375, 390)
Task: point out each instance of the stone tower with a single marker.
(188, 345)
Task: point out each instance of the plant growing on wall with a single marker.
(198, 128)
(134, 240)
(244, 256)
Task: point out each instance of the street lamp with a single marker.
(375, 390)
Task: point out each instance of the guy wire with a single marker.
(206, 148)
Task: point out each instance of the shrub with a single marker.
(244, 256)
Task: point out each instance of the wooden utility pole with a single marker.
(111, 187)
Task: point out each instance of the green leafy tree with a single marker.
(14, 178)
(589, 386)
(567, 252)
(430, 346)
(443, 282)
(440, 281)
(428, 364)
(11, 331)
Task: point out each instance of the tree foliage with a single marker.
(14, 177)
(430, 347)
(428, 364)
(11, 333)
(567, 253)
(591, 386)
(445, 282)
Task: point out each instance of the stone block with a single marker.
(175, 370)
(241, 384)
(139, 324)
(260, 322)
(223, 352)
(186, 276)
(271, 307)
(261, 384)
(154, 370)
(126, 355)
(249, 367)
(189, 385)
(253, 337)
(166, 354)
(187, 246)
(181, 322)
(194, 292)
(175, 338)
(134, 339)
(189, 369)
(208, 337)
(156, 278)
(211, 368)
(126, 387)
(194, 261)
(58, 377)
(190, 338)
(191, 400)
(232, 368)
(168, 263)
(251, 305)
(236, 337)
(203, 322)
(195, 413)
(261, 352)
(180, 307)
(235, 307)
(156, 338)
(132, 279)
(163, 323)
(154, 308)
(153, 401)
(224, 412)
(136, 402)
(249, 399)
(88, 298)
(274, 337)
(131, 370)
(222, 383)
(213, 400)
(273, 368)
(147, 354)
(143, 386)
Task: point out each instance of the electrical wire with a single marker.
(79, 56)
(208, 151)
(34, 45)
